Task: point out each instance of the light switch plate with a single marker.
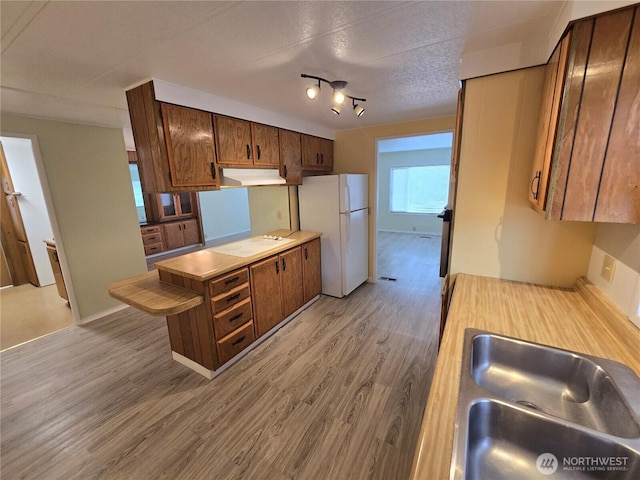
(608, 268)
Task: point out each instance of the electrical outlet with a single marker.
(608, 268)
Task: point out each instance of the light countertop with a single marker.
(205, 264)
(579, 319)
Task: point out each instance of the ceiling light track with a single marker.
(338, 95)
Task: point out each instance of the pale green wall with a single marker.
(225, 214)
(269, 209)
(406, 222)
(621, 241)
(88, 177)
(495, 232)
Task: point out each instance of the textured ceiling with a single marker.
(73, 61)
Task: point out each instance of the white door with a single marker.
(354, 192)
(355, 249)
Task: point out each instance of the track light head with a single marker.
(338, 96)
(313, 91)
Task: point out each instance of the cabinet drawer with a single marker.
(228, 320)
(235, 342)
(150, 230)
(228, 282)
(230, 298)
(152, 238)
(153, 248)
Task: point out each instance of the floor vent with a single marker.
(425, 236)
(389, 279)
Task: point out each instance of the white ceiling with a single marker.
(73, 61)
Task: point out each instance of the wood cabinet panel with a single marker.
(231, 345)
(181, 234)
(266, 145)
(602, 77)
(233, 141)
(317, 153)
(190, 232)
(311, 269)
(228, 282)
(190, 146)
(191, 335)
(290, 157)
(230, 298)
(291, 281)
(619, 197)
(232, 318)
(265, 286)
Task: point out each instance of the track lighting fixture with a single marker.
(338, 96)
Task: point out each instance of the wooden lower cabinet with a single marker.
(311, 270)
(181, 234)
(244, 304)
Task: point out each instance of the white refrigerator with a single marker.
(337, 206)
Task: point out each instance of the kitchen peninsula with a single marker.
(222, 300)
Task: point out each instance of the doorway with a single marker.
(412, 189)
(31, 305)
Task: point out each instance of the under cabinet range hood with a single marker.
(246, 177)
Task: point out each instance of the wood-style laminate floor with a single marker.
(338, 393)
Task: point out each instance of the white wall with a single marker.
(225, 215)
(406, 222)
(269, 209)
(495, 232)
(622, 242)
(96, 225)
(33, 209)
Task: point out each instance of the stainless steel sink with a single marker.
(522, 404)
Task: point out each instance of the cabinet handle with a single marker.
(306, 254)
(240, 340)
(277, 266)
(259, 153)
(536, 191)
(213, 170)
(233, 297)
(284, 264)
(317, 158)
(179, 227)
(285, 171)
(322, 158)
(248, 152)
(236, 317)
(232, 280)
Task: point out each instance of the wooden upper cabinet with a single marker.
(244, 144)
(290, 157)
(266, 145)
(592, 152)
(190, 146)
(317, 153)
(233, 141)
(174, 145)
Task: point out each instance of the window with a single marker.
(423, 189)
(137, 192)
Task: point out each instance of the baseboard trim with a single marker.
(102, 314)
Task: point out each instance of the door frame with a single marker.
(48, 200)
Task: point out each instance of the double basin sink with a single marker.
(527, 410)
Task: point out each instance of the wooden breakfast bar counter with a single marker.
(581, 319)
(220, 301)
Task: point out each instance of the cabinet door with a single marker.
(173, 237)
(326, 154)
(185, 203)
(167, 207)
(311, 269)
(233, 141)
(190, 146)
(291, 281)
(265, 290)
(290, 157)
(552, 93)
(266, 146)
(190, 232)
(619, 196)
(310, 152)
